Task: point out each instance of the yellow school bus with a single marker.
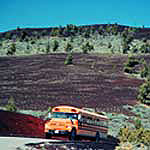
(71, 121)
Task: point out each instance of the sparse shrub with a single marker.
(125, 47)
(128, 70)
(131, 63)
(86, 33)
(1, 44)
(138, 123)
(33, 42)
(55, 32)
(114, 29)
(28, 47)
(136, 136)
(134, 49)
(11, 105)
(108, 29)
(144, 92)
(23, 36)
(109, 45)
(8, 35)
(44, 32)
(69, 59)
(145, 48)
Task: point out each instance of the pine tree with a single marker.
(47, 48)
(55, 45)
(69, 59)
(68, 47)
(87, 47)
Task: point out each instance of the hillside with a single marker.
(93, 80)
(101, 38)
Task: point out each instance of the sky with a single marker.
(50, 13)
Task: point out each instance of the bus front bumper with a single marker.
(59, 132)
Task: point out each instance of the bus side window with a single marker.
(82, 119)
(97, 122)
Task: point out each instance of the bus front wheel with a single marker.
(47, 135)
(72, 135)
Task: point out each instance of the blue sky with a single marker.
(46, 13)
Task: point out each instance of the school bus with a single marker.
(72, 121)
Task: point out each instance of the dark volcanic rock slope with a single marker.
(37, 82)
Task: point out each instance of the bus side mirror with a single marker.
(79, 116)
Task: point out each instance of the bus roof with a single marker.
(78, 110)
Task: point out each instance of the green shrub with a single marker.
(129, 70)
(136, 136)
(144, 92)
(87, 47)
(132, 62)
(11, 105)
(8, 35)
(33, 42)
(145, 72)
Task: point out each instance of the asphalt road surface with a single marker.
(12, 143)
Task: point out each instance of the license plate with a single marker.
(56, 131)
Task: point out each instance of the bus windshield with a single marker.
(64, 115)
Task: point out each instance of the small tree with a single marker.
(69, 59)
(125, 47)
(68, 47)
(11, 105)
(130, 64)
(12, 49)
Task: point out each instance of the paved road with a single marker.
(11, 143)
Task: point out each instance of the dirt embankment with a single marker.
(16, 124)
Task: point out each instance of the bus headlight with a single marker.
(46, 126)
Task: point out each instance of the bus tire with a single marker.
(47, 135)
(97, 137)
(72, 136)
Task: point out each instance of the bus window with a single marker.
(64, 115)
